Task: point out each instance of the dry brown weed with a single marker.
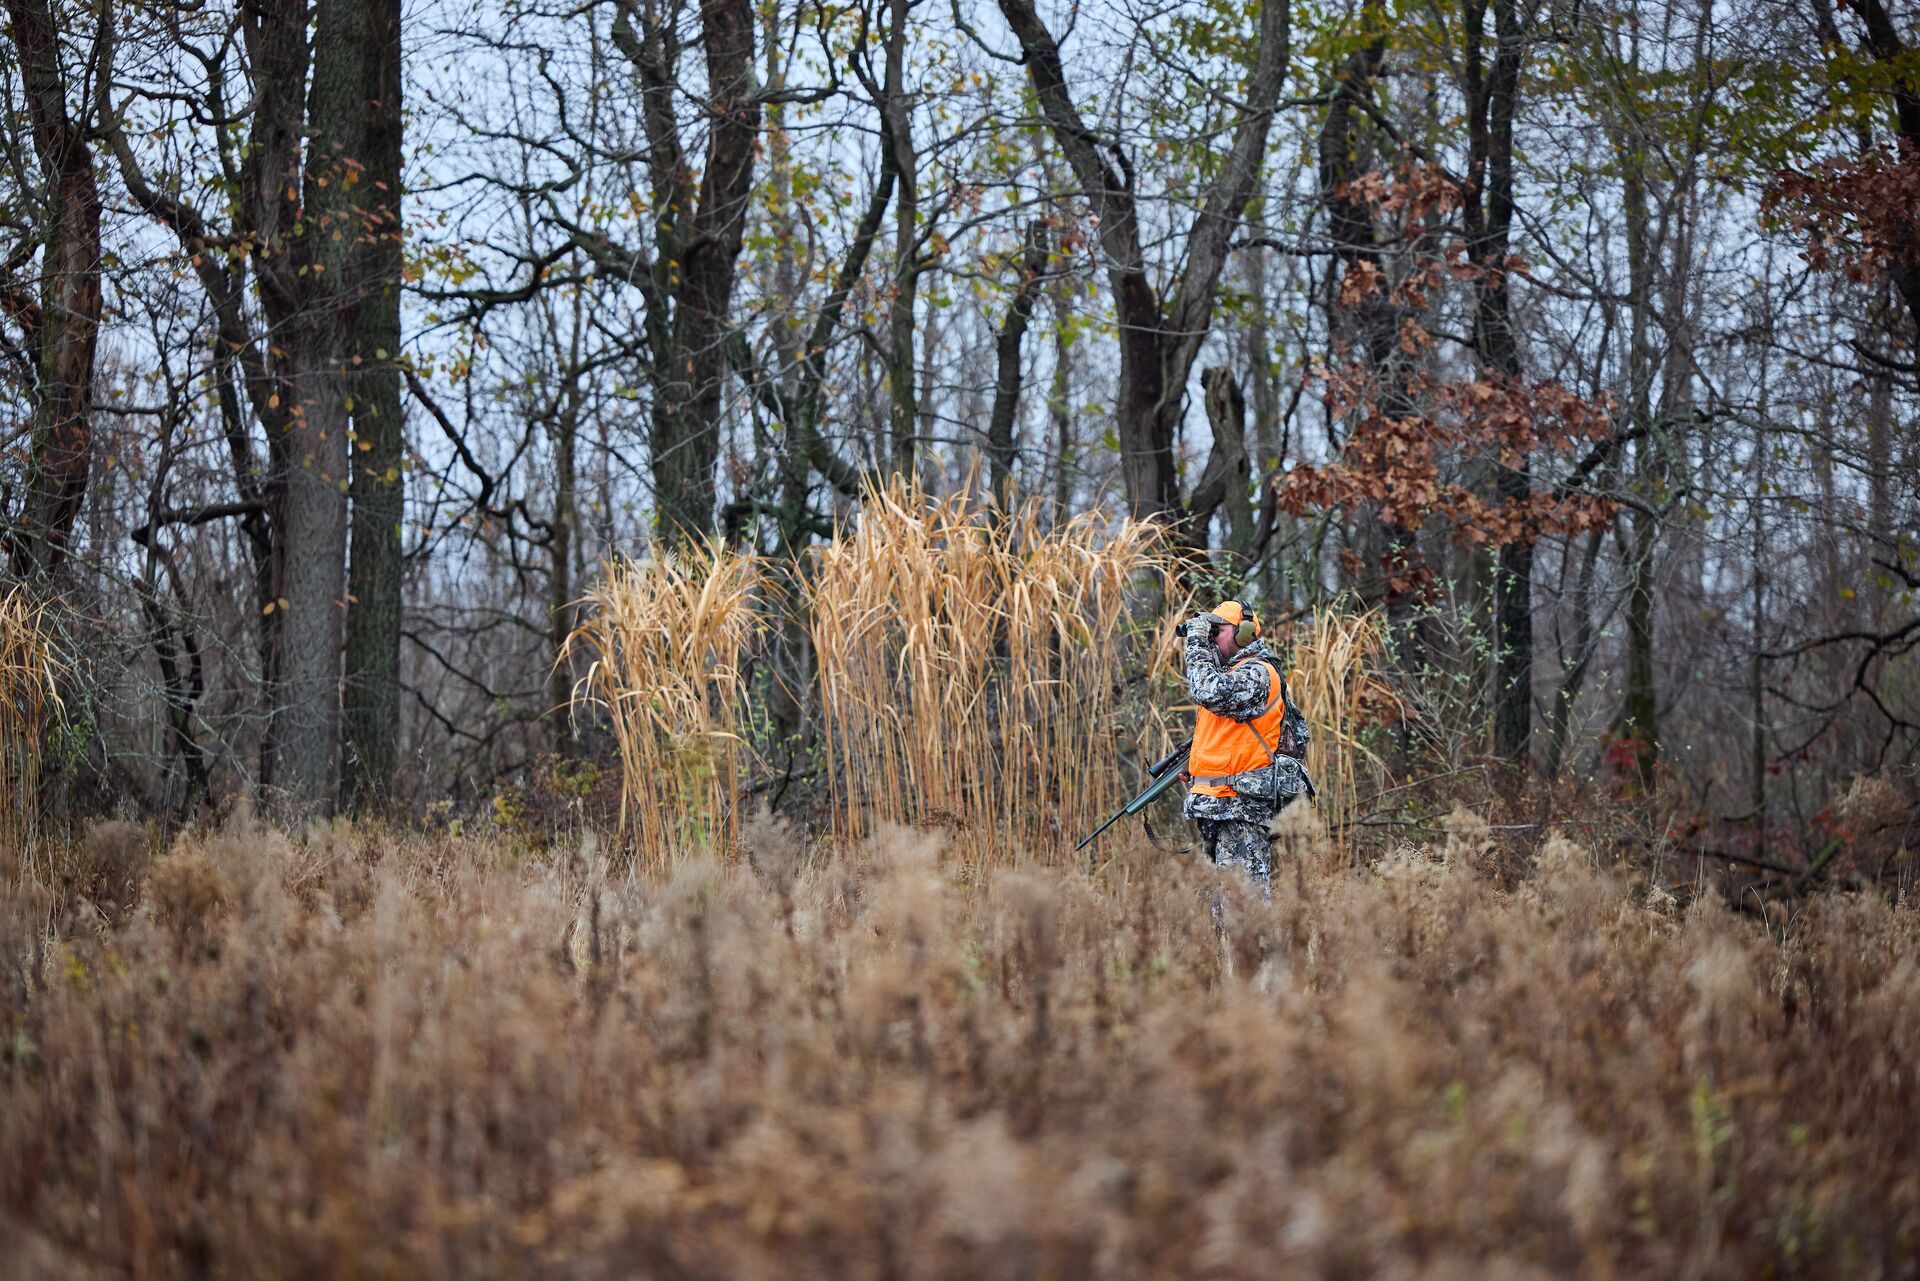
(883, 1063)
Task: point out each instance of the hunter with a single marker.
(1248, 741)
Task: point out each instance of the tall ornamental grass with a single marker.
(29, 696)
(981, 672)
(665, 639)
(1335, 673)
(978, 671)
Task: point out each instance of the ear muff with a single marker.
(1246, 623)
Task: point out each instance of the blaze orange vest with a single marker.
(1224, 747)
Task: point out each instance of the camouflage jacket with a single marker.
(1240, 692)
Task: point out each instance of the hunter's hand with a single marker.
(1202, 625)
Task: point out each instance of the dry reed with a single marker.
(980, 672)
(1335, 675)
(29, 695)
(665, 637)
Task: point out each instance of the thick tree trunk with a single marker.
(70, 302)
(1228, 477)
(372, 696)
(314, 522)
(692, 371)
(277, 47)
(314, 473)
(1059, 407)
(1371, 325)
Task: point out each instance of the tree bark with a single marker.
(699, 232)
(560, 549)
(316, 301)
(1007, 346)
(1229, 472)
(1586, 639)
(1059, 406)
(1639, 709)
(1489, 216)
(896, 113)
(1640, 713)
(70, 299)
(372, 694)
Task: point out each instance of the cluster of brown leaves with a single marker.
(1858, 215)
(1399, 464)
(1411, 197)
(356, 1054)
(1404, 461)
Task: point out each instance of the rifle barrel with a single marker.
(1088, 839)
(1162, 775)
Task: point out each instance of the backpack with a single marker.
(1294, 731)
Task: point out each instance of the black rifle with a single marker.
(1164, 773)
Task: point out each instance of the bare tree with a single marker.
(699, 212)
(1159, 339)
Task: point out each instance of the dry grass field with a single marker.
(352, 1053)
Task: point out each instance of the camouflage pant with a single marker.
(1244, 845)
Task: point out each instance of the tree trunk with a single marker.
(1229, 470)
(699, 263)
(1059, 406)
(1640, 713)
(1372, 324)
(372, 694)
(307, 721)
(314, 459)
(566, 430)
(1586, 640)
(896, 109)
(1757, 663)
(1157, 347)
(1489, 213)
(70, 300)
(1006, 384)
(1639, 710)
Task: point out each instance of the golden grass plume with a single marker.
(30, 669)
(665, 638)
(974, 667)
(1335, 675)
